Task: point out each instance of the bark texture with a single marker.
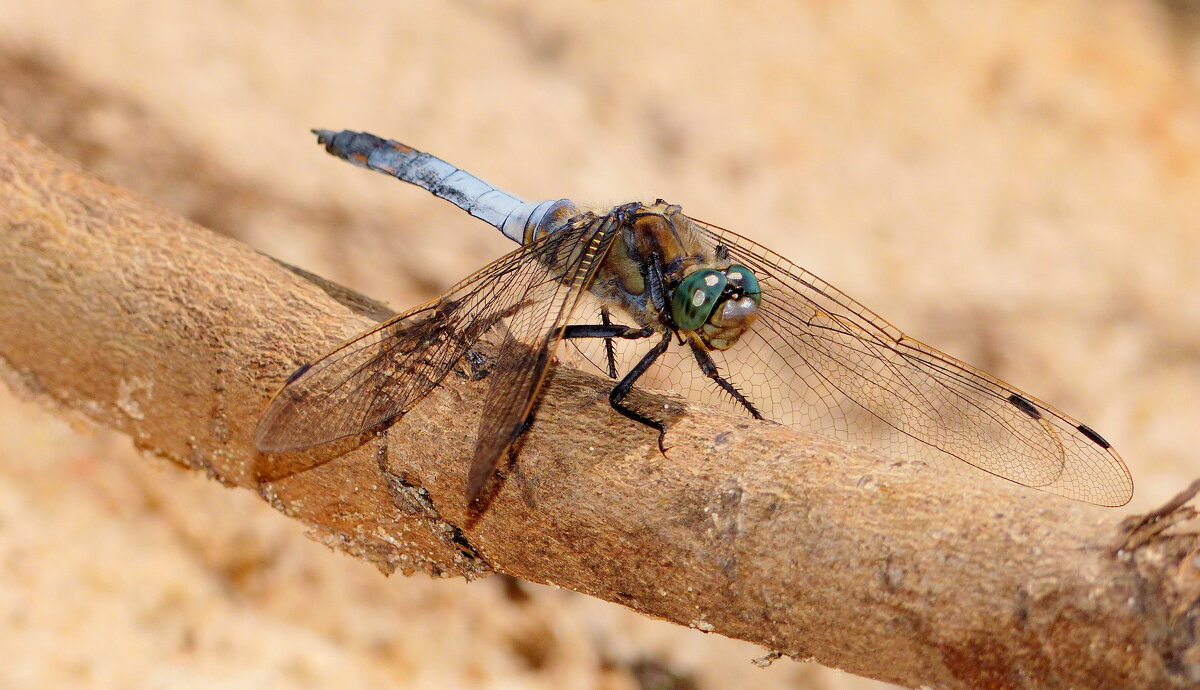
(144, 322)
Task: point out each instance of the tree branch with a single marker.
(146, 323)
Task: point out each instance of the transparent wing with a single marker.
(818, 360)
(552, 294)
(380, 374)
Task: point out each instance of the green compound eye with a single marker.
(740, 278)
(696, 297)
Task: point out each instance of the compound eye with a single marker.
(743, 281)
(696, 297)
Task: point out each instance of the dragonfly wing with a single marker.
(381, 373)
(817, 359)
(550, 291)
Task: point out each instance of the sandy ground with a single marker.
(1014, 182)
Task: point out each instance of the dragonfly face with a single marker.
(752, 332)
(719, 305)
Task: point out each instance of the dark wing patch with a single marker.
(1096, 438)
(1025, 406)
(298, 372)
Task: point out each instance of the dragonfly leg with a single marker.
(709, 367)
(657, 284)
(606, 331)
(610, 354)
(619, 391)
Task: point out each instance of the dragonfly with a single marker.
(651, 296)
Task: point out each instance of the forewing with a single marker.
(819, 360)
(551, 289)
(381, 373)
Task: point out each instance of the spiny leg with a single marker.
(620, 390)
(709, 367)
(657, 287)
(607, 331)
(657, 284)
(610, 352)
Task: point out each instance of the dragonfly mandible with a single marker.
(649, 294)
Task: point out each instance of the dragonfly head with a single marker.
(718, 304)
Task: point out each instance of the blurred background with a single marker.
(1016, 183)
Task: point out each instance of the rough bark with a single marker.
(144, 322)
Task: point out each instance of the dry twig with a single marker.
(177, 336)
